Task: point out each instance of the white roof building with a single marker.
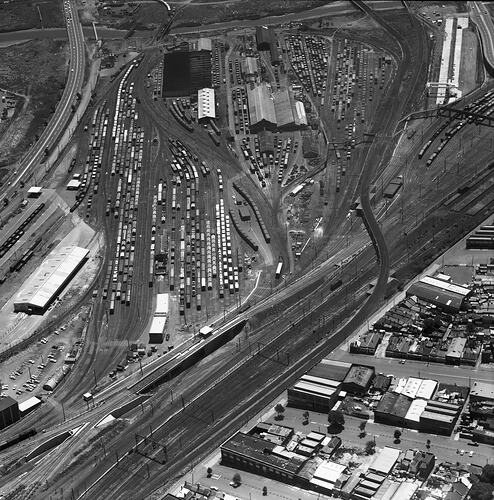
(204, 44)
(51, 277)
(158, 325)
(385, 461)
(162, 304)
(415, 410)
(449, 287)
(206, 105)
(327, 474)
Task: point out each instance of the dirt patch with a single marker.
(26, 14)
(37, 69)
(215, 12)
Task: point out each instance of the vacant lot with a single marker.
(26, 14)
(204, 12)
(35, 69)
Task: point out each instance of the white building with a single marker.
(206, 104)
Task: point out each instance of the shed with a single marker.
(29, 405)
(34, 192)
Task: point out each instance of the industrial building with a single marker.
(50, 279)
(481, 391)
(206, 105)
(257, 455)
(444, 294)
(290, 114)
(202, 44)
(319, 388)
(250, 67)
(358, 379)
(266, 40)
(9, 412)
(157, 329)
(261, 108)
(184, 73)
(29, 405)
(266, 142)
(274, 111)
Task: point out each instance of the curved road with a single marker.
(30, 163)
(481, 17)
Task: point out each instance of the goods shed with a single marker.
(157, 329)
(261, 108)
(29, 405)
(289, 116)
(49, 280)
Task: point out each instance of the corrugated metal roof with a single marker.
(416, 409)
(261, 106)
(332, 384)
(29, 403)
(314, 388)
(51, 276)
(284, 109)
(330, 369)
(329, 471)
(204, 44)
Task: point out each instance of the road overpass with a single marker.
(482, 19)
(30, 164)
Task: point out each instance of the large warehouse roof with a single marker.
(289, 113)
(206, 107)
(158, 325)
(386, 460)
(330, 369)
(162, 304)
(53, 274)
(445, 285)
(435, 295)
(261, 106)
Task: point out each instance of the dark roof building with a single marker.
(264, 37)
(184, 73)
(381, 383)
(422, 464)
(358, 379)
(392, 409)
(9, 412)
(330, 369)
(444, 294)
(253, 454)
(266, 142)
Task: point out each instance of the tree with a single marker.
(237, 479)
(306, 417)
(362, 425)
(264, 491)
(481, 491)
(336, 418)
(209, 472)
(487, 474)
(370, 447)
(397, 436)
(279, 409)
(428, 445)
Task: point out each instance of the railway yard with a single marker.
(228, 246)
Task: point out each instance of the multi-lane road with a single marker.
(30, 165)
(481, 17)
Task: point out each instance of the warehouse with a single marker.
(256, 455)
(481, 391)
(261, 108)
(358, 379)
(290, 114)
(385, 461)
(201, 44)
(184, 73)
(439, 418)
(206, 104)
(266, 142)
(331, 370)
(9, 412)
(264, 37)
(250, 67)
(162, 304)
(157, 329)
(328, 476)
(50, 279)
(392, 409)
(29, 405)
(443, 294)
